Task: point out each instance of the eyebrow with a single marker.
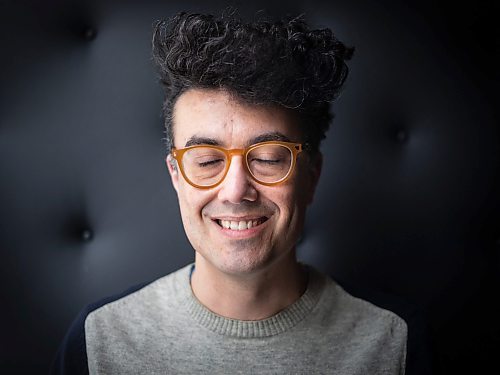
(271, 136)
(194, 141)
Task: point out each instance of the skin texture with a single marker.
(250, 274)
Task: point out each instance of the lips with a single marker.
(238, 225)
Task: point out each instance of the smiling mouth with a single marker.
(242, 224)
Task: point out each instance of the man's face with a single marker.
(212, 116)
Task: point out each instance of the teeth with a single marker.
(238, 225)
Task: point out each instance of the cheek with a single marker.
(304, 190)
(191, 202)
(295, 200)
(287, 201)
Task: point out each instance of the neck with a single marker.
(254, 296)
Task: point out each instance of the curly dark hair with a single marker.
(280, 63)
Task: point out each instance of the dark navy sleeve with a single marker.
(71, 357)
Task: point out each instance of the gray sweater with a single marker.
(163, 329)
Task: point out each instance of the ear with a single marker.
(315, 166)
(173, 169)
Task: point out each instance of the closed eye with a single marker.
(267, 161)
(209, 163)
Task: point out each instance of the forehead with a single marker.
(218, 116)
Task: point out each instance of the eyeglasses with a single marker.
(269, 163)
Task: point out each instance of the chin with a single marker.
(247, 263)
(240, 264)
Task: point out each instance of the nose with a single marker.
(237, 185)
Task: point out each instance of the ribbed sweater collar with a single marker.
(274, 325)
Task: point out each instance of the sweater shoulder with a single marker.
(360, 311)
(72, 357)
(142, 299)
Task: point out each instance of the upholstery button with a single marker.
(401, 136)
(86, 235)
(89, 33)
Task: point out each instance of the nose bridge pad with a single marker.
(237, 185)
(240, 163)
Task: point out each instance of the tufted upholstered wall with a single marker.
(408, 205)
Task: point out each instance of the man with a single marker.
(246, 108)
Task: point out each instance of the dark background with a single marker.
(408, 205)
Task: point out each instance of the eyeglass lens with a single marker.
(206, 166)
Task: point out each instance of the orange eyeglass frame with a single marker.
(295, 149)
